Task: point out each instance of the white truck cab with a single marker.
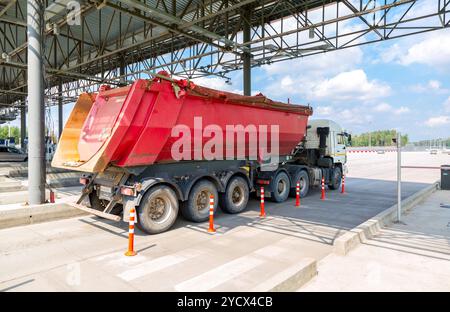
(335, 142)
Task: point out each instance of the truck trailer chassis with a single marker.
(186, 186)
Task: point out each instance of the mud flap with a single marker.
(127, 205)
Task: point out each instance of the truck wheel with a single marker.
(97, 203)
(280, 187)
(236, 195)
(336, 178)
(100, 204)
(158, 210)
(196, 208)
(302, 177)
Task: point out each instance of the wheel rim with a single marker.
(237, 195)
(281, 186)
(202, 200)
(159, 208)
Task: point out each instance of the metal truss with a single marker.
(118, 41)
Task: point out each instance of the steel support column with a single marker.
(60, 109)
(23, 126)
(247, 65)
(36, 109)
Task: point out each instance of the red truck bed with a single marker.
(132, 126)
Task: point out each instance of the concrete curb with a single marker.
(345, 243)
(290, 279)
(37, 214)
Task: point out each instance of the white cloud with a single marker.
(346, 117)
(432, 49)
(434, 86)
(324, 110)
(437, 121)
(387, 108)
(401, 110)
(214, 83)
(287, 81)
(351, 85)
(382, 107)
(319, 65)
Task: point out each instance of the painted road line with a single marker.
(151, 266)
(228, 271)
(219, 275)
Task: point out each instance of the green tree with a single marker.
(15, 132)
(377, 138)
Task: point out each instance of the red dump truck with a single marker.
(162, 145)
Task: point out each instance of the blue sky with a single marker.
(399, 84)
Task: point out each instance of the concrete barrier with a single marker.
(345, 243)
(37, 214)
(291, 278)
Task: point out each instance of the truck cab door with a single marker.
(340, 152)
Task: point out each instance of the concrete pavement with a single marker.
(410, 256)
(247, 253)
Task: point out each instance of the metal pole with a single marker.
(399, 176)
(60, 110)
(23, 127)
(36, 133)
(247, 68)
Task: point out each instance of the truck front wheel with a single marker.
(336, 178)
(196, 208)
(158, 210)
(281, 186)
(235, 198)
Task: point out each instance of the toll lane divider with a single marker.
(291, 278)
(365, 231)
(370, 151)
(37, 214)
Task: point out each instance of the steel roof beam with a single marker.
(10, 20)
(6, 8)
(179, 22)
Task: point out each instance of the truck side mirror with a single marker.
(350, 139)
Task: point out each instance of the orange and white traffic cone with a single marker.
(297, 195)
(343, 184)
(211, 228)
(131, 251)
(262, 213)
(323, 189)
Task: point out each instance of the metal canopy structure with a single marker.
(114, 41)
(85, 43)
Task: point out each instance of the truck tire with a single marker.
(158, 210)
(97, 203)
(280, 187)
(336, 179)
(196, 207)
(236, 195)
(302, 177)
(100, 204)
